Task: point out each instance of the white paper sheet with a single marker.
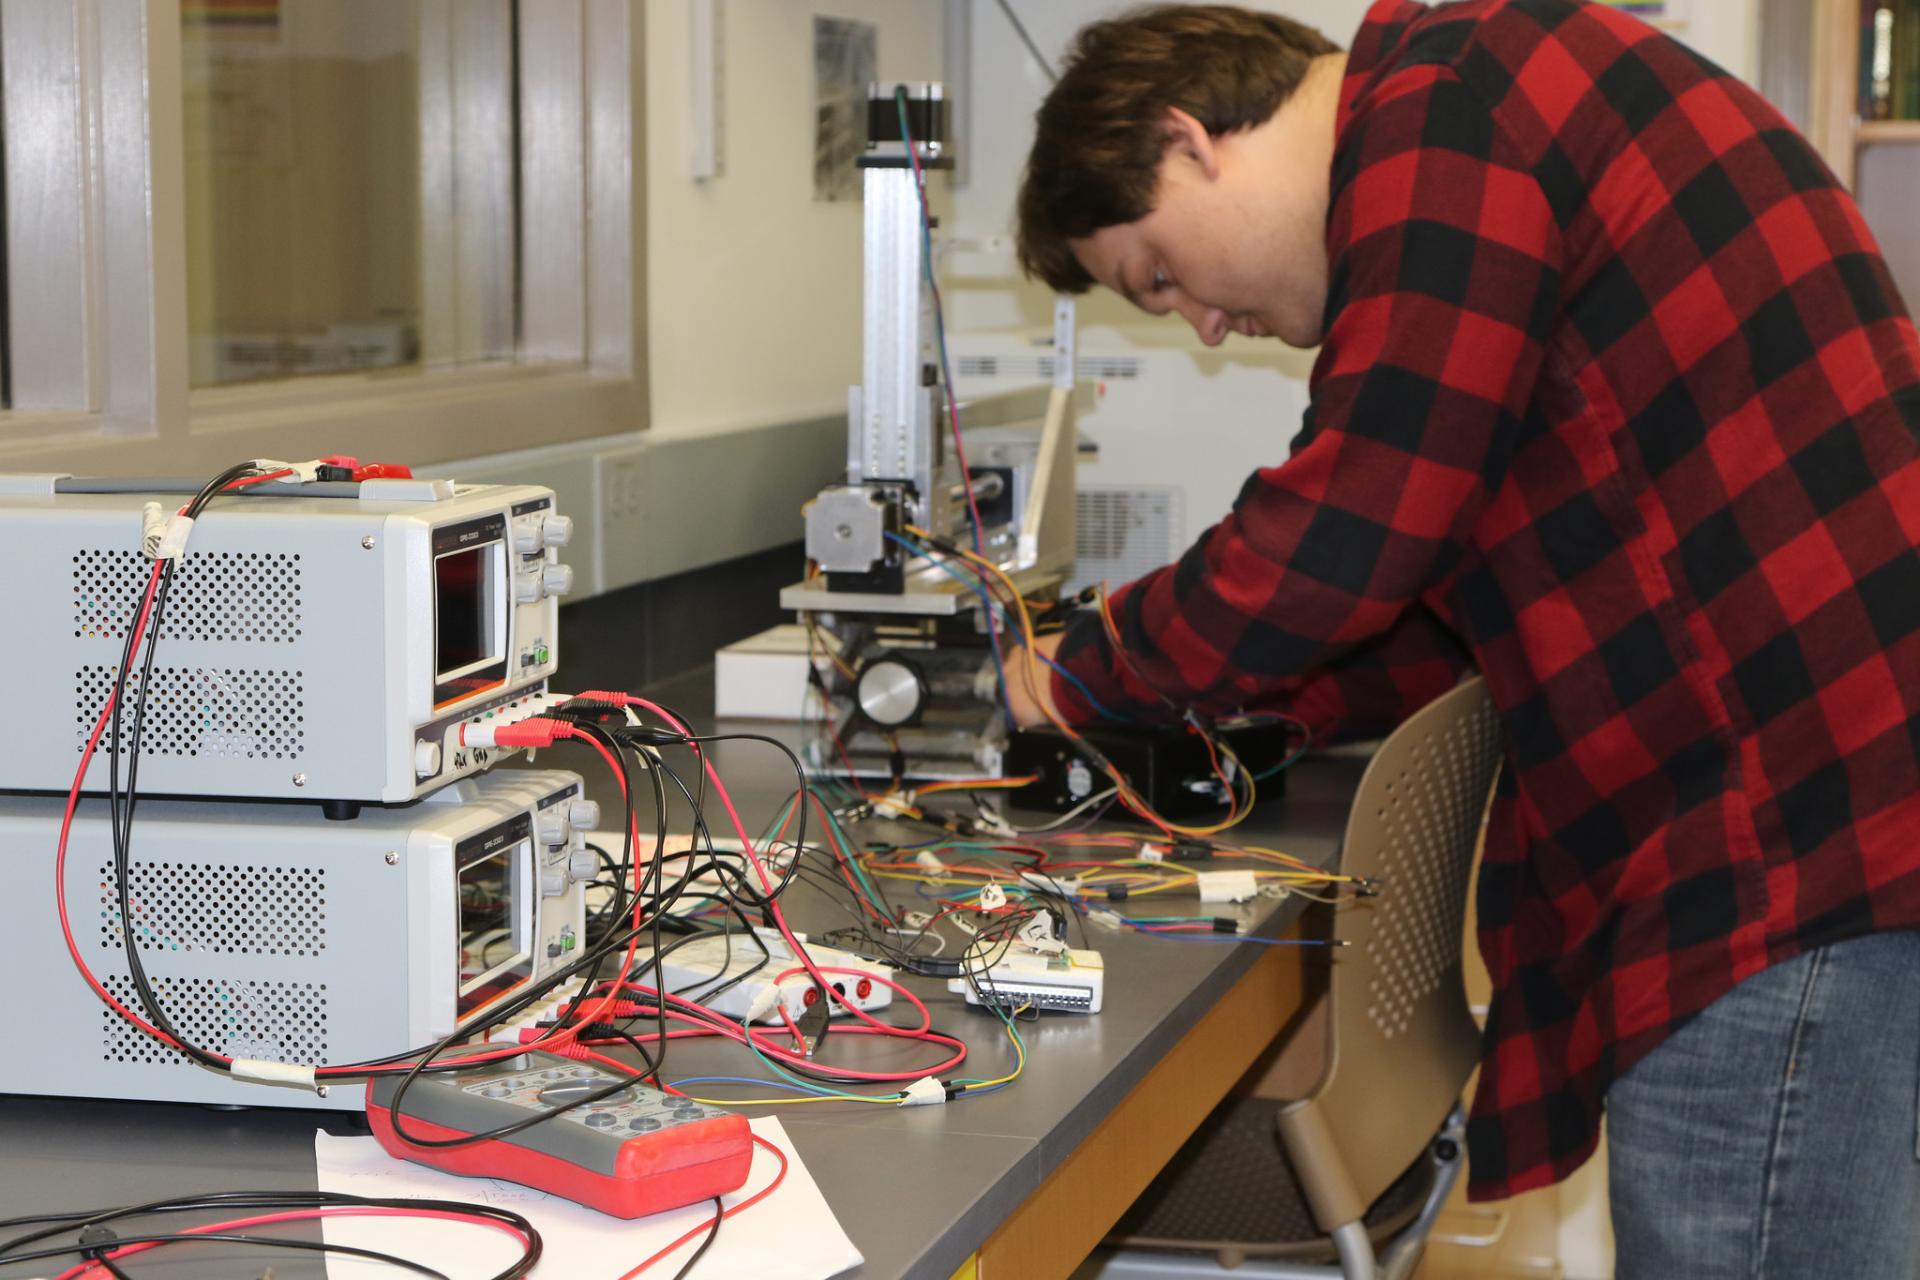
(792, 1233)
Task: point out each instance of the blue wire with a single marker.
(993, 604)
(1240, 937)
(763, 1084)
(946, 367)
(986, 601)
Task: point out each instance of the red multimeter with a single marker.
(636, 1152)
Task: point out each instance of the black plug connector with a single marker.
(812, 1022)
(930, 967)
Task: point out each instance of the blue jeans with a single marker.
(1777, 1135)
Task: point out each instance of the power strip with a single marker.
(1071, 982)
(701, 964)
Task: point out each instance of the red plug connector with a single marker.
(532, 734)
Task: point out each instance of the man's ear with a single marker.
(1181, 134)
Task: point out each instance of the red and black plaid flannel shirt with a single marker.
(1618, 401)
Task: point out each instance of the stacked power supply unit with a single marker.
(317, 871)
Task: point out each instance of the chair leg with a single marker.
(1356, 1252)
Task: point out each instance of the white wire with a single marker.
(1098, 797)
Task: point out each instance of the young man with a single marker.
(1615, 400)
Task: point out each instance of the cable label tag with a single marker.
(1226, 886)
(924, 1092)
(293, 1073)
(173, 543)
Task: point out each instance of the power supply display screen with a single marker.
(470, 596)
(495, 920)
(461, 584)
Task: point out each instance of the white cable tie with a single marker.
(173, 543)
(1105, 918)
(153, 527)
(1150, 854)
(1065, 886)
(1037, 935)
(917, 920)
(762, 1003)
(299, 1074)
(894, 805)
(924, 1092)
(1227, 886)
(992, 822)
(930, 860)
(992, 897)
(305, 472)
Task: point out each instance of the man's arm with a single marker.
(1366, 693)
(1376, 685)
(1445, 278)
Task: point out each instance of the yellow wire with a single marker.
(1031, 669)
(789, 1102)
(1020, 1055)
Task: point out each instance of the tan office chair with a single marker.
(1372, 1151)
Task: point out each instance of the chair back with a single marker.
(1402, 1040)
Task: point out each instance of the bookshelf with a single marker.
(1879, 160)
(1871, 131)
(1838, 130)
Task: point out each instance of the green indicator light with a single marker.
(540, 654)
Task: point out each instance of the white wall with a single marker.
(754, 289)
(1244, 399)
(1007, 89)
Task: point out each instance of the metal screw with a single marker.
(367, 542)
(393, 859)
(320, 1090)
(843, 532)
(299, 779)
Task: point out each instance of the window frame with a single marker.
(96, 221)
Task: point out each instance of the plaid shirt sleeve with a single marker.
(1375, 685)
(1445, 272)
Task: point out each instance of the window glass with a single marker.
(303, 186)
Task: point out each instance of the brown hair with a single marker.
(1098, 136)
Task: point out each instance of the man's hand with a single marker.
(1028, 697)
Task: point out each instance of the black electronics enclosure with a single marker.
(1170, 768)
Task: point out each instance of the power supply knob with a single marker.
(553, 882)
(583, 865)
(584, 815)
(891, 691)
(552, 828)
(556, 531)
(426, 759)
(557, 579)
(527, 537)
(527, 588)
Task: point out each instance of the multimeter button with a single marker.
(495, 1091)
(643, 1124)
(600, 1120)
(563, 1091)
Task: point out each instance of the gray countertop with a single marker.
(918, 1189)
